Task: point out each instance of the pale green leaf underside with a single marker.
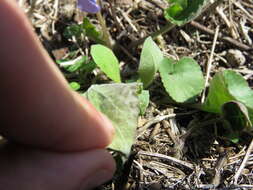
(106, 61)
(151, 57)
(120, 103)
(183, 80)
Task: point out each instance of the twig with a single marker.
(114, 15)
(237, 4)
(106, 34)
(211, 186)
(172, 159)
(126, 17)
(209, 64)
(117, 45)
(154, 121)
(221, 162)
(244, 162)
(232, 41)
(56, 8)
(229, 24)
(154, 35)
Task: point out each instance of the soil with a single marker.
(170, 151)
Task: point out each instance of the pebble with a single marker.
(235, 58)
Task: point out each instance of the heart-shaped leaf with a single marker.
(228, 86)
(120, 103)
(151, 57)
(183, 80)
(106, 61)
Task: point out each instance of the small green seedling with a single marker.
(229, 94)
(85, 29)
(181, 12)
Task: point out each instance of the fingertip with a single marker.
(100, 122)
(101, 175)
(54, 170)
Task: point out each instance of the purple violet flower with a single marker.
(89, 6)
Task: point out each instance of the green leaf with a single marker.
(174, 10)
(75, 86)
(151, 57)
(144, 101)
(89, 67)
(177, 6)
(91, 31)
(183, 80)
(73, 30)
(228, 86)
(183, 11)
(237, 115)
(77, 64)
(106, 61)
(73, 65)
(182, 3)
(237, 120)
(120, 103)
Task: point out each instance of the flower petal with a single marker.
(89, 6)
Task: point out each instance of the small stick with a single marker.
(154, 121)
(244, 162)
(221, 162)
(232, 41)
(106, 34)
(56, 7)
(114, 15)
(169, 26)
(211, 186)
(155, 131)
(172, 159)
(209, 64)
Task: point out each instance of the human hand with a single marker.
(56, 138)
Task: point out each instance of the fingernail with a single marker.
(90, 109)
(98, 178)
(108, 123)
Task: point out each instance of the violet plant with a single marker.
(91, 6)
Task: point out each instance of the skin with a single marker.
(56, 139)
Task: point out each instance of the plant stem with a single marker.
(169, 26)
(106, 34)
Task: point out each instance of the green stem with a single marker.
(169, 26)
(106, 34)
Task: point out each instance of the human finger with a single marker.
(37, 106)
(28, 169)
